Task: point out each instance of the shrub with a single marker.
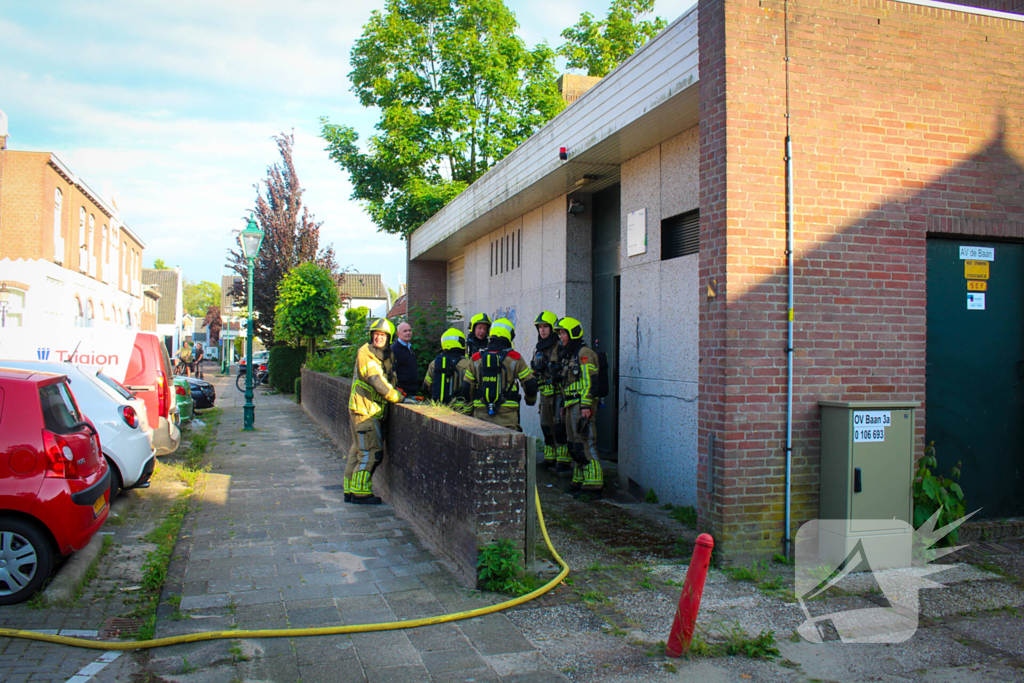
(285, 365)
(498, 567)
(934, 491)
(298, 389)
(428, 323)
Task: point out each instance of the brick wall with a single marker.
(906, 120)
(460, 481)
(427, 282)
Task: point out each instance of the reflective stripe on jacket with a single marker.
(370, 385)
(579, 387)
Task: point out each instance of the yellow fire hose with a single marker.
(295, 632)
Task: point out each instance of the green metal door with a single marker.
(975, 369)
(605, 335)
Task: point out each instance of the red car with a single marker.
(54, 480)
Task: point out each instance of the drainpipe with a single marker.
(789, 343)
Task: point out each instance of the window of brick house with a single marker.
(83, 255)
(680, 235)
(58, 239)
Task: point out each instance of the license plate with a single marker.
(98, 506)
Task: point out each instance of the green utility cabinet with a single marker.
(866, 475)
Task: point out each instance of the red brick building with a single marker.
(906, 123)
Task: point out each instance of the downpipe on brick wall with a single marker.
(789, 344)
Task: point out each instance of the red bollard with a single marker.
(681, 635)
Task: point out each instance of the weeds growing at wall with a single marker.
(932, 492)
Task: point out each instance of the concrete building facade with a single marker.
(664, 230)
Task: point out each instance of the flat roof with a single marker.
(649, 98)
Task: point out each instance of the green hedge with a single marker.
(285, 366)
(298, 390)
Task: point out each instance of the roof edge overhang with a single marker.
(649, 98)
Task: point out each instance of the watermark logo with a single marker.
(43, 353)
(888, 554)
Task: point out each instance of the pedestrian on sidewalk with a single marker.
(367, 406)
(199, 354)
(406, 374)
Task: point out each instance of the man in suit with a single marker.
(406, 374)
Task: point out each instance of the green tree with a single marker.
(159, 264)
(600, 46)
(199, 297)
(291, 237)
(307, 305)
(457, 91)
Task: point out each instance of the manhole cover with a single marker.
(116, 627)
(336, 487)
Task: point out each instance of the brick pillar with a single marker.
(427, 282)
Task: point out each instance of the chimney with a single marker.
(3, 130)
(572, 86)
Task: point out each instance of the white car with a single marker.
(125, 435)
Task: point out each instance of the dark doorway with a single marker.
(605, 335)
(975, 369)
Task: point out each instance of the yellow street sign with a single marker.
(976, 285)
(976, 270)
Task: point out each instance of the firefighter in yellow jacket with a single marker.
(545, 359)
(579, 370)
(372, 390)
(445, 373)
(493, 375)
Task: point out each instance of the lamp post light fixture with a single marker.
(250, 239)
(4, 296)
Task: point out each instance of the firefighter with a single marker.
(372, 390)
(479, 329)
(443, 382)
(579, 369)
(545, 356)
(492, 378)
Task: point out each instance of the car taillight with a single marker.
(129, 416)
(179, 390)
(60, 458)
(263, 368)
(161, 395)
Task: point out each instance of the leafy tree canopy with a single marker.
(457, 91)
(600, 46)
(159, 264)
(199, 297)
(214, 324)
(292, 237)
(307, 305)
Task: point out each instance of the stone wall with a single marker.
(460, 481)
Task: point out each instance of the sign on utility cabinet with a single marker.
(636, 232)
(869, 425)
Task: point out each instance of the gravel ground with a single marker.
(608, 623)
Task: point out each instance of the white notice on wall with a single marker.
(978, 253)
(636, 232)
(869, 425)
(975, 301)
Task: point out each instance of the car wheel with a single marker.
(116, 482)
(26, 559)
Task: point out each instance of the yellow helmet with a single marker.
(453, 339)
(479, 318)
(572, 326)
(503, 328)
(546, 318)
(383, 325)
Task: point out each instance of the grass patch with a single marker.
(755, 573)
(731, 640)
(165, 536)
(594, 597)
(684, 514)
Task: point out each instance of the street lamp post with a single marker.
(251, 238)
(4, 295)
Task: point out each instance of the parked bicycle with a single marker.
(260, 377)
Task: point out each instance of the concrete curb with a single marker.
(72, 575)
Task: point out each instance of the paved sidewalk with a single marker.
(274, 546)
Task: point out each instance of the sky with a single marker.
(170, 108)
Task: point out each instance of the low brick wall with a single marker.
(460, 481)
